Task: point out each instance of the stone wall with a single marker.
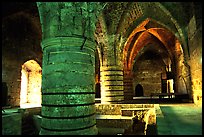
(133, 118)
(148, 75)
(115, 109)
(20, 42)
(11, 75)
(195, 61)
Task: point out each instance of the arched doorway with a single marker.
(31, 77)
(139, 90)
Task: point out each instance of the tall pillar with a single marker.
(68, 105)
(128, 85)
(68, 69)
(111, 84)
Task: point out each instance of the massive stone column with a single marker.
(111, 84)
(68, 87)
(68, 69)
(111, 72)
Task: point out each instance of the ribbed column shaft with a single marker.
(111, 84)
(68, 105)
(128, 85)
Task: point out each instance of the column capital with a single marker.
(68, 18)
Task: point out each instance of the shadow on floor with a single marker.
(157, 101)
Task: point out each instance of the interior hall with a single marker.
(101, 68)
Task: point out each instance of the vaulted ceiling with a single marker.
(140, 23)
(117, 18)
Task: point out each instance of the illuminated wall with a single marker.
(24, 87)
(182, 78)
(195, 61)
(31, 78)
(111, 85)
(147, 72)
(34, 87)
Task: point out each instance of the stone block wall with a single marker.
(11, 75)
(133, 118)
(148, 75)
(195, 61)
(20, 43)
(115, 109)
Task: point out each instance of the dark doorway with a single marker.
(4, 94)
(139, 90)
(98, 91)
(164, 86)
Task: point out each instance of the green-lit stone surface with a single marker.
(68, 72)
(68, 111)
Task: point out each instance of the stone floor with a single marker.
(180, 119)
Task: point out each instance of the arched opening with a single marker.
(148, 68)
(139, 91)
(152, 55)
(31, 77)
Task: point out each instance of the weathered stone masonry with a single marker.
(68, 71)
(111, 84)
